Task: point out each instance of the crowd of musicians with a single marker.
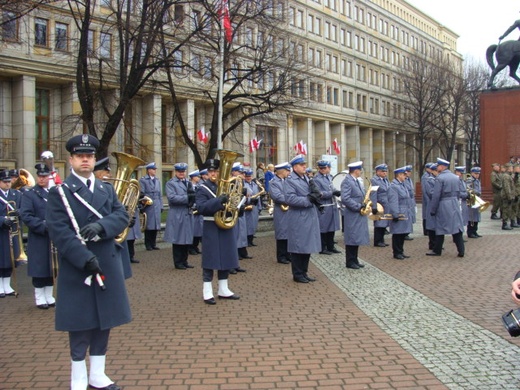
(74, 228)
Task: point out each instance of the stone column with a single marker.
(152, 128)
(352, 144)
(23, 106)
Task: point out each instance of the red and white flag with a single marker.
(202, 136)
(301, 148)
(336, 146)
(226, 20)
(254, 144)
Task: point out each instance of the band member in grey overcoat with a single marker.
(411, 191)
(329, 219)
(219, 246)
(380, 180)
(179, 224)
(252, 213)
(445, 208)
(39, 260)
(84, 308)
(151, 187)
(277, 194)
(198, 220)
(475, 186)
(399, 207)
(426, 175)
(460, 173)
(356, 225)
(303, 238)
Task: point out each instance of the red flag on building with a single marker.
(226, 20)
(336, 146)
(202, 136)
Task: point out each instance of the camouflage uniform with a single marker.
(516, 204)
(496, 185)
(508, 197)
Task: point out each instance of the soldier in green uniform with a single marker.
(508, 197)
(496, 185)
(516, 204)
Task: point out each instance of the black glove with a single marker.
(374, 211)
(254, 201)
(223, 198)
(313, 198)
(395, 219)
(191, 199)
(432, 214)
(363, 206)
(14, 213)
(241, 210)
(8, 222)
(337, 193)
(88, 232)
(132, 222)
(92, 266)
(244, 191)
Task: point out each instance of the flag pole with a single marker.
(220, 79)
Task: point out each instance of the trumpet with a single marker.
(25, 179)
(390, 217)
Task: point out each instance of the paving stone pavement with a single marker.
(420, 323)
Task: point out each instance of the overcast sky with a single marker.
(478, 23)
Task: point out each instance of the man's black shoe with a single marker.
(193, 252)
(247, 257)
(156, 248)
(233, 297)
(134, 261)
(353, 266)
(408, 238)
(112, 386)
(240, 269)
(189, 266)
(472, 236)
(478, 235)
(380, 245)
(360, 265)
(432, 254)
(325, 252)
(399, 257)
(334, 250)
(309, 278)
(233, 271)
(300, 279)
(460, 255)
(210, 301)
(284, 261)
(180, 267)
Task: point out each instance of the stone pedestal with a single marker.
(499, 131)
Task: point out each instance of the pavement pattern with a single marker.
(419, 323)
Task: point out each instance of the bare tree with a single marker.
(452, 107)
(476, 76)
(137, 27)
(17, 9)
(260, 76)
(422, 93)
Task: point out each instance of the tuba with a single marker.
(127, 189)
(25, 179)
(260, 193)
(231, 186)
(367, 210)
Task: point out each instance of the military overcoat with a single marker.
(179, 224)
(81, 307)
(303, 234)
(152, 189)
(399, 204)
(355, 225)
(445, 204)
(330, 218)
(277, 193)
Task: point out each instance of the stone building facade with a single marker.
(353, 48)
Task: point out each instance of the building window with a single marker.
(62, 39)
(9, 26)
(42, 119)
(318, 63)
(299, 19)
(208, 68)
(40, 32)
(268, 150)
(90, 43)
(178, 61)
(105, 47)
(195, 63)
(178, 15)
(317, 26)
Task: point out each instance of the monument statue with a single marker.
(506, 54)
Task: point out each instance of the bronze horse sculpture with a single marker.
(506, 54)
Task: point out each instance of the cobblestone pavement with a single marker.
(420, 323)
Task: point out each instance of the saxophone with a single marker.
(231, 186)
